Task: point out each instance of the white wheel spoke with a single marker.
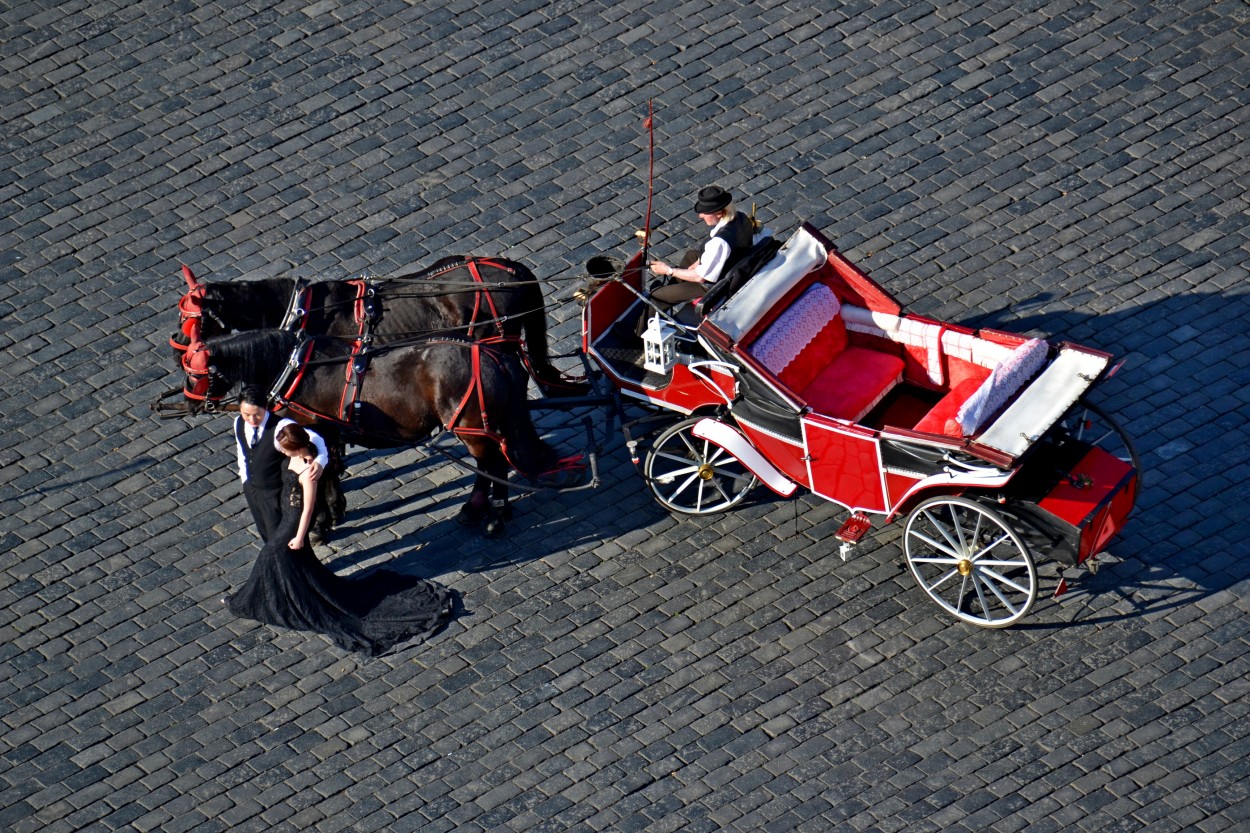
(990, 546)
(937, 546)
(694, 452)
(941, 528)
(1002, 579)
(976, 585)
(684, 461)
(950, 574)
(692, 478)
(1001, 598)
(963, 592)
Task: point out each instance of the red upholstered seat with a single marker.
(853, 383)
(941, 417)
(819, 353)
(832, 377)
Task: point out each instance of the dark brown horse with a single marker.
(492, 299)
(404, 394)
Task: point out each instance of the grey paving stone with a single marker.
(1065, 170)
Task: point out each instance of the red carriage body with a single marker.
(811, 375)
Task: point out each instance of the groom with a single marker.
(260, 461)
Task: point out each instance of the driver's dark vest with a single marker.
(264, 462)
(739, 234)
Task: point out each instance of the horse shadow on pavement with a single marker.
(414, 529)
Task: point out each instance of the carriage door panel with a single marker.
(844, 464)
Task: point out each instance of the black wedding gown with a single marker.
(375, 613)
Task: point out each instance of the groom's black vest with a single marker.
(264, 462)
(738, 233)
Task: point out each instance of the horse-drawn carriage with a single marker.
(806, 373)
(797, 371)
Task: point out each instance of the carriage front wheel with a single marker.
(970, 561)
(693, 476)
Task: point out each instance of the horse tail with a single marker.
(537, 352)
(528, 453)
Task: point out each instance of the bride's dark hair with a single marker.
(292, 438)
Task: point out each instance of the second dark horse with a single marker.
(479, 298)
(407, 394)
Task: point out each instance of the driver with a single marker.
(731, 238)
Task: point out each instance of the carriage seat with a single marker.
(962, 411)
(806, 347)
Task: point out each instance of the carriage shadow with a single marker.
(543, 524)
(1180, 396)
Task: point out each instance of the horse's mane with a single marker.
(250, 300)
(233, 290)
(251, 357)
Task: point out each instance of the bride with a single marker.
(375, 613)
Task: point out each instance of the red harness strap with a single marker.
(484, 292)
(283, 395)
(190, 311)
(365, 315)
(358, 306)
(475, 387)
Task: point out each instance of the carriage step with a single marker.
(853, 531)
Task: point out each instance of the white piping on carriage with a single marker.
(983, 478)
(724, 367)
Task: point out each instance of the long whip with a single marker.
(649, 124)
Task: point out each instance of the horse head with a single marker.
(223, 307)
(190, 313)
(213, 366)
(204, 386)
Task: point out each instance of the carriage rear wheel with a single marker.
(970, 561)
(693, 476)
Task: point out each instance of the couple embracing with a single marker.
(376, 612)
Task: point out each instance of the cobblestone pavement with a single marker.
(1070, 169)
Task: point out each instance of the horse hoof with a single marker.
(494, 528)
(469, 515)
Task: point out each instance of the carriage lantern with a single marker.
(659, 346)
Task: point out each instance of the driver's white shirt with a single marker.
(715, 253)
